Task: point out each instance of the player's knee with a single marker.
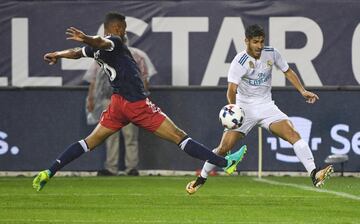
(223, 149)
(179, 135)
(93, 141)
(90, 144)
(293, 136)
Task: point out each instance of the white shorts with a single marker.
(261, 115)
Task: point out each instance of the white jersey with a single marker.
(253, 76)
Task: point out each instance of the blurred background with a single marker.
(191, 44)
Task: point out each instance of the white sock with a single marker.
(207, 168)
(303, 152)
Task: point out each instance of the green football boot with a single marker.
(41, 179)
(234, 159)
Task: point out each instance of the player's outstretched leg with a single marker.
(319, 176)
(41, 179)
(169, 131)
(71, 153)
(194, 185)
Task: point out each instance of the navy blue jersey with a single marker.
(120, 66)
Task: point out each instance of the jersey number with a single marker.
(110, 71)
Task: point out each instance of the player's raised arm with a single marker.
(295, 81)
(96, 42)
(73, 53)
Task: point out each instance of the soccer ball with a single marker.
(231, 116)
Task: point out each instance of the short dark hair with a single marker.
(254, 31)
(113, 17)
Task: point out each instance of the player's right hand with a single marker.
(310, 96)
(51, 58)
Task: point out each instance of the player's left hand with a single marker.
(75, 34)
(310, 96)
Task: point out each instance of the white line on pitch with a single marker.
(131, 221)
(307, 188)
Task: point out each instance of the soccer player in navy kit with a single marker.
(129, 102)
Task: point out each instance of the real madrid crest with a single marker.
(251, 64)
(269, 63)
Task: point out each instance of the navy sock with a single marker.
(71, 153)
(199, 151)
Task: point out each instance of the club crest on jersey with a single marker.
(251, 64)
(269, 63)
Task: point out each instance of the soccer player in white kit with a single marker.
(249, 86)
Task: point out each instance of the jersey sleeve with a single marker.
(116, 42)
(236, 71)
(280, 62)
(88, 51)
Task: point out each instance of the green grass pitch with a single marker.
(231, 199)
